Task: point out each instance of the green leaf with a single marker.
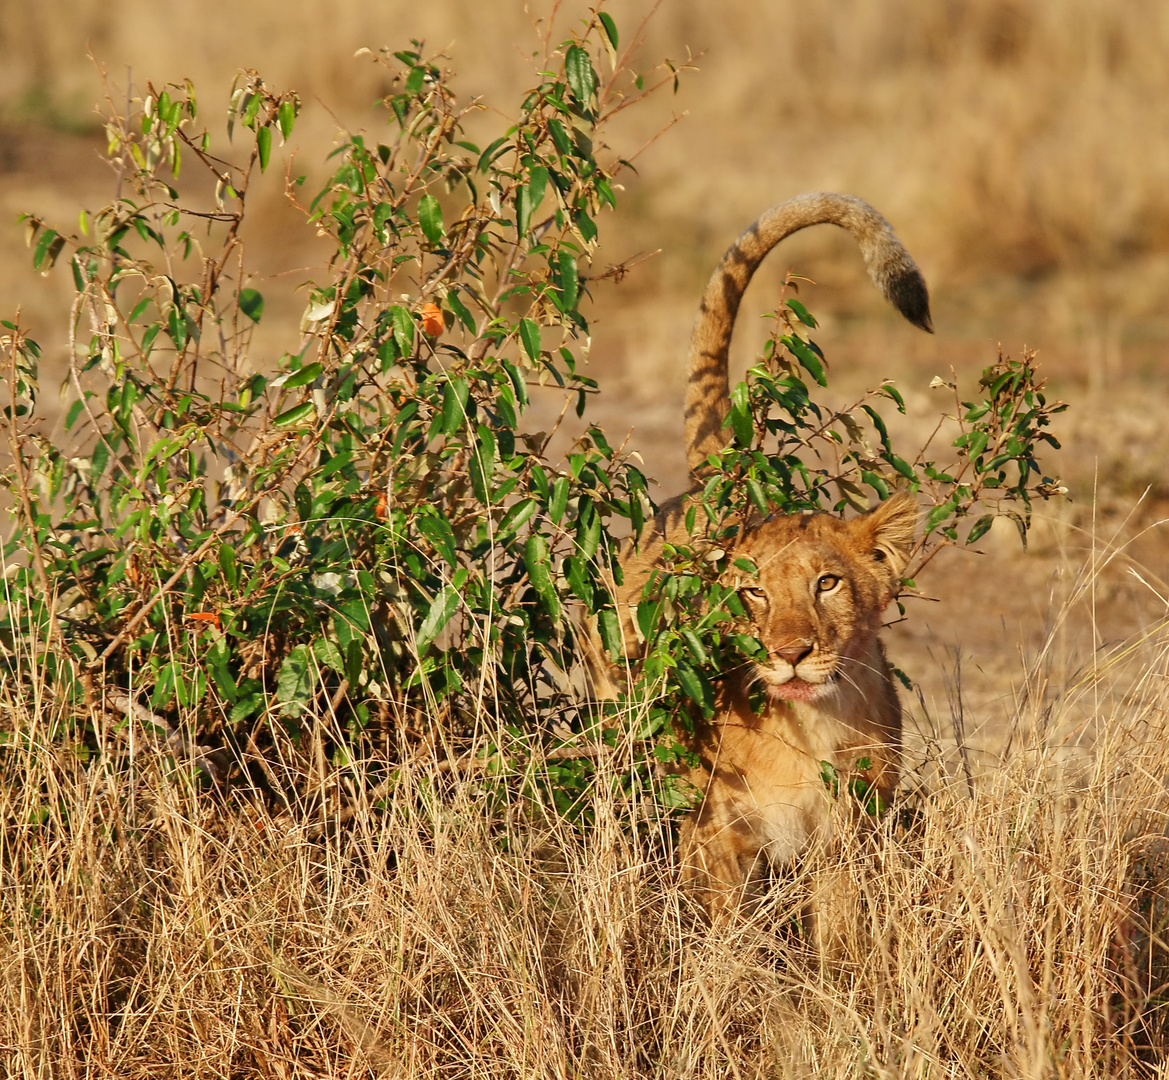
(415, 80)
(539, 568)
(569, 279)
(216, 662)
(876, 483)
(403, 324)
(517, 382)
(609, 26)
(559, 500)
(228, 565)
(454, 405)
(609, 627)
(979, 528)
(879, 424)
(164, 686)
(264, 146)
(579, 579)
(442, 608)
(295, 415)
(696, 687)
(903, 467)
(251, 303)
(801, 313)
(482, 465)
(48, 247)
(516, 518)
(305, 375)
(831, 778)
(756, 495)
(459, 308)
(588, 535)
(328, 655)
(286, 118)
(530, 336)
(177, 328)
(248, 706)
(529, 197)
(560, 136)
(294, 683)
(891, 391)
(808, 357)
(437, 529)
(586, 225)
(694, 644)
(430, 218)
(649, 613)
(537, 184)
(494, 150)
(740, 415)
(582, 79)
(939, 514)
(974, 442)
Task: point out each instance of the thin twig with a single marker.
(173, 740)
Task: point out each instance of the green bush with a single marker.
(363, 538)
(787, 454)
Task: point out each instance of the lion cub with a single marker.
(816, 605)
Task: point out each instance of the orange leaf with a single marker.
(381, 509)
(205, 616)
(432, 324)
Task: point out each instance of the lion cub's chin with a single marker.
(795, 689)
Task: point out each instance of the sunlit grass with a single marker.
(154, 928)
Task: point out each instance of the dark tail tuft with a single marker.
(909, 295)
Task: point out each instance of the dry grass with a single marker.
(1015, 925)
(1012, 921)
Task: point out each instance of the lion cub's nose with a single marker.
(794, 652)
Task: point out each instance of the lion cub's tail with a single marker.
(890, 266)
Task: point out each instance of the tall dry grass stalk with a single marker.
(1013, 927)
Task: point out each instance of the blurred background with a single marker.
(1019, 147)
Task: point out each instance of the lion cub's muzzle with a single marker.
(800, 670)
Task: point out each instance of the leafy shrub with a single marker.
(789, 453)
(363, 536)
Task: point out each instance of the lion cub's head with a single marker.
(821, 588)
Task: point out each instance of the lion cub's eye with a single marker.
(753, 595)
(827, 583)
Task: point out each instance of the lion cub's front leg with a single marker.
(748, 821)
(832, 917)
(720, 853)
(766, 804)
(724, 857)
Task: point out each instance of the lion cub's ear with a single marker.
(888, 530)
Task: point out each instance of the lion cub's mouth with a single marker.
(796, 689)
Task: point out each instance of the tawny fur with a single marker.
(890, 266)
(816, 606)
